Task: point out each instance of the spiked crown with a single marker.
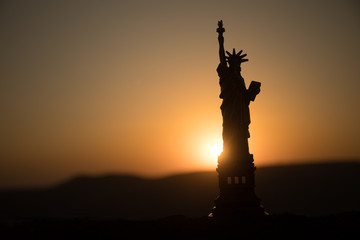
(236, 57)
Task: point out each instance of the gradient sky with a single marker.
(92, 87)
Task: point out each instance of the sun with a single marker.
(216, 150)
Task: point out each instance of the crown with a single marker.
(236, 57)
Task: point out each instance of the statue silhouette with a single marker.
(235, 164)
(236, 99)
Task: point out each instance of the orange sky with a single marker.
(91, 87)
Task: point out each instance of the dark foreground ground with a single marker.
(323, 199)
(284, 226)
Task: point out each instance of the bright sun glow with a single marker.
(216, 150)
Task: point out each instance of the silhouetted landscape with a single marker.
(309, 196)
(95, 91)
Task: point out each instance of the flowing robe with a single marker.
(235, 112)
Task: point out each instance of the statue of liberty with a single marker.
(236, 99)
(236, 167)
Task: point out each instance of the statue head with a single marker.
(235, 60)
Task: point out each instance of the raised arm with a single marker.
(221, 30)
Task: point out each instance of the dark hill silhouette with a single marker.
(314, 189)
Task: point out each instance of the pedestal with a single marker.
(237, 189)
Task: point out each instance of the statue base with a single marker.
(225, 209)
(237, 189)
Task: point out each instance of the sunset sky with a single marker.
(96, 87)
